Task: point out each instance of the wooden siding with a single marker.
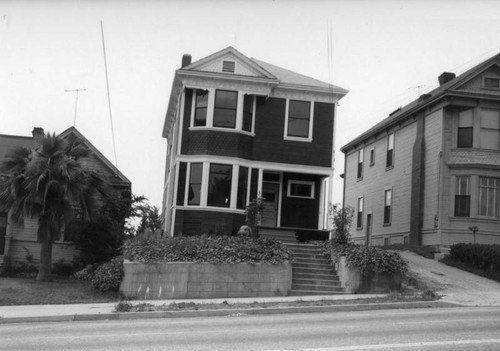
(432, 163)
(376, 179)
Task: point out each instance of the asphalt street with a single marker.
(457, 328)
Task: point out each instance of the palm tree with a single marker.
(50, 183)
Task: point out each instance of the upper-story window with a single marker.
(489, 200)
(490, 129)
(390, 151)
(387, 206)
(465, 129)
(225, 106)
(359, 219)
(491, 82)
(372, 156)
(200, 108)
(360, 163)
(298, 120)
(219, 185)
(227, 109)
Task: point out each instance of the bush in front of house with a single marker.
(211, 249)
(108, 276)
(480, 259)
(368, 260)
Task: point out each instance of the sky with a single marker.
(381, 51)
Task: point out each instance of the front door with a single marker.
(3, 231)
(368, 229)
(270, 197)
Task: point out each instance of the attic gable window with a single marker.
(228, 66)
(491, 82)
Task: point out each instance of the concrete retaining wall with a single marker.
(179, 280)
(354, 283)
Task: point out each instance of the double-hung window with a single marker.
(195, 177)
(359, 220)
(241, 202)
(225, 108)
(390, 151)
(372, 156)
(299, 119)
(489, 201)
(462, 197)
(248, 109)
(387, 206)
(490, 130)
(219, 185)
(200, 108)
(360, 163)
(465, 130)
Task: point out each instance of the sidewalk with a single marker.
(103, 311)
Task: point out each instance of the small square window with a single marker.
(228, 66)
(303, 189)
(491, 82)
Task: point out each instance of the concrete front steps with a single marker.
(312, 272)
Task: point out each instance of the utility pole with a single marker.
(77, 91)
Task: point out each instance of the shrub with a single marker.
(212, 249)
(368, 260)
(108, 276)
(478, 258)
(85, 274)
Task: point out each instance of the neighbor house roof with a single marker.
(425, 100)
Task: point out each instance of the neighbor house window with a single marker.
(195, 178)
(225, 108)
(360, 163)
(390, 151)
(490, 130)
(298, 119)
(462, 197)
(299, 188)
(219, 185)
(359, 221)
(372, 156)
(387, 206)
(465, 130)
(200, 109)
(489, 201)
(248, 106)
(241, 201)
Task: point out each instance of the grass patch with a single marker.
(425, 251)
(193, 306)
(24, 291)
(493, 275)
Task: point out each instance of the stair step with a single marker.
(312, 265)
(308, 287)
(311, 275)
(311, 260)
(314, 292)
(316, 282)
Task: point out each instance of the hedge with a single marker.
(479, 258)
(211, 249)
(368, 260)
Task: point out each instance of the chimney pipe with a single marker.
(186, 60)
(445, 77)
(38, 135)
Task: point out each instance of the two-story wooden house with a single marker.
(429, 174)
(238, 128)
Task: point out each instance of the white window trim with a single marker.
(311, 122)
(301, 182)
(211, 108)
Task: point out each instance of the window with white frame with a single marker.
(462, 196)
(225, 106)
(388, 206)
(465, 129)
(200, 108)
(359, 219)
(195, 178)
(360, 163)
(372, 156)
(489, 200)
(219, 185)
(390, 151)
(300, 188)
(299, 119)
(490, 130)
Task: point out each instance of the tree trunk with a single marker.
(45, 268)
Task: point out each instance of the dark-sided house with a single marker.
(238, 128)
(17, 241)
(429, 174)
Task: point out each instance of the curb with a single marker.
(227, 312)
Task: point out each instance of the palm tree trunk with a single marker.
(45, 268)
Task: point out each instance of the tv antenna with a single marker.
(77, 91)
(418, 88)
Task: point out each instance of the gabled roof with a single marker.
(96, 152)
(247, 69)
(452, 87)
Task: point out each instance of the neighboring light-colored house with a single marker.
(431, 170)
(237, 127)
(16, 241)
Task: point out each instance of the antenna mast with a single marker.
(76, 101)
(109, 98)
